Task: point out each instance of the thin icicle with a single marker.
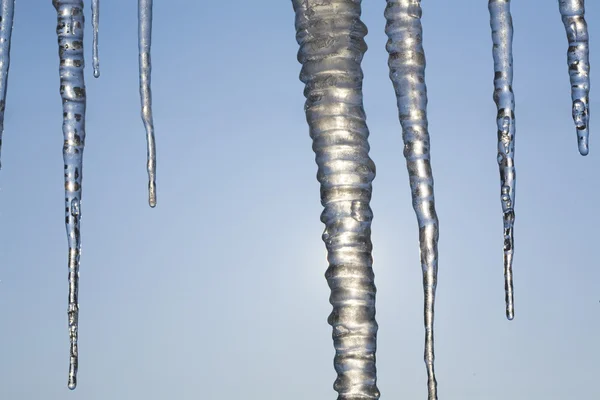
(502, 35)
(407, 72)
(72, 90)
(573, 12)
(7, 10)
(95, 22)
(145, 41)
(331, 38)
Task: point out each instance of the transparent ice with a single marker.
(407, 72)
(7, 11)
(72, 90)
(502, 35)
(578, 57)
(95, 22)
(145, 41)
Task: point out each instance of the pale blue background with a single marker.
(219, 293)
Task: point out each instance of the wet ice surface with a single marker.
(573, 17)
(407, 72)
(145, 41)
(502, 35)
(331, 38)
(95, 22)
(7, 11)
(72, 90)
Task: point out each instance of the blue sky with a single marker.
(219, 291)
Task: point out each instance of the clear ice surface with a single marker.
(578, 58)
(72, 90)
(7, 11)
(145, 41)
(502, 35)
(95, 22)
(407, 73)
(331, 38)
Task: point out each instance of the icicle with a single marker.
(95, 21)
(72, 90)
(573, 12)
(502, 34)
(407, 72)
(7, 8)
(145, 40)
(331, 38)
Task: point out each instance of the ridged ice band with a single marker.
(95, 23)
(7, 12)
(407, 72)
(578, 57)
(145, 42)
(331, 38)
(502, 36)
(72, 90)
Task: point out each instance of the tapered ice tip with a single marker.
(96, 72)
(510, 314)
(584, 148)
(152, 194)
(72, 383)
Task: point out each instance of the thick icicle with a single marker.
(331, 38)
(573, 12)
(407, 72)
(145, 41)
(7, 10)
(72, 90)
(502, 34)
(95, 21)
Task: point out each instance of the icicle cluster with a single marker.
(72, 90)
(572, 13)
(407, 72)
(331, 35)
(331, 38)
(502, 34)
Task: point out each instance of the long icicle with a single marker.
(578, 56)
(502, 35)
(145, 41)
(331, 38)
(407, 72)
(72, 90)
(7, 10)
(95, 22)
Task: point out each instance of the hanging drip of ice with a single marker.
(331, 38)
(145, 40)
(95, 22)
(573, 17)
(502, 35)
(7, 10)
(407, 72)
(72, 90)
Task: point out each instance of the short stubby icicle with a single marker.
(7, 12)
(407, 73)
(331, 38)
(578, 57)
(502, 35)
(72, 90)
(145, 42)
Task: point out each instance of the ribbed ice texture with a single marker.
(573, 12)
(331, 38)
(145, 41)
(502, 35)
(407, 72)
(7, 11)
(72, 90)
(95, 21)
